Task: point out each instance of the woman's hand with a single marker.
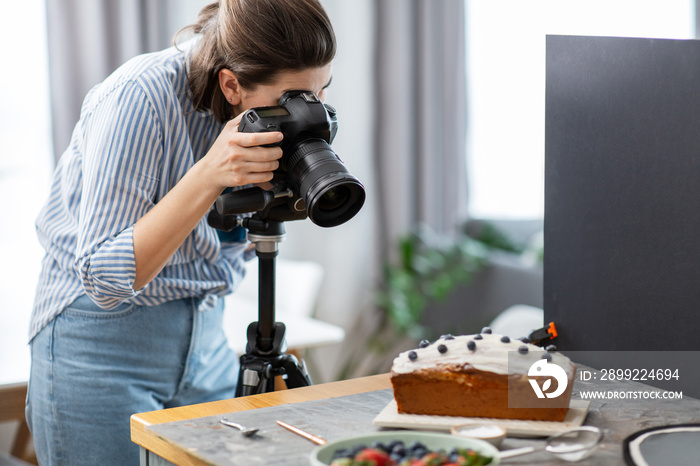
(238, 159)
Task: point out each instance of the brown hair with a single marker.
(256, 39)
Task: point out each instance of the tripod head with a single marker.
(276, 205)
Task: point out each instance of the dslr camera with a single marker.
(311, 180)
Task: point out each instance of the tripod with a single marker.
(265, 356)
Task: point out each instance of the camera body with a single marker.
(300, 115)
(311, 179)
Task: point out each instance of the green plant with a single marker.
(430, 268)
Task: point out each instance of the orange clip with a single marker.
(549, 332)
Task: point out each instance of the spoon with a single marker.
(246, 431)
(572, 445)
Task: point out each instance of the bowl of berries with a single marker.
(405, 448)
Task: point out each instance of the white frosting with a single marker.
(490, 355)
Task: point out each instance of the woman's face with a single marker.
(316, 80)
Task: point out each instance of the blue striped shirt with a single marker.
(138, 134)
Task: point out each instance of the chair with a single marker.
(12, 398)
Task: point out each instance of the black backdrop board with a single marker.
(622, 193)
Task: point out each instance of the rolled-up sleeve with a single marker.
(122, 138)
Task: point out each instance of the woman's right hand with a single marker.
(238, 159)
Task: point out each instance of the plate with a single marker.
(390, 417)
(656, 446)
(321, 456)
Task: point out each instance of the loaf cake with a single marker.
(474, 376)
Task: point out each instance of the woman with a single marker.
(127, 315)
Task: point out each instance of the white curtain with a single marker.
(421, 116)
(88, 39)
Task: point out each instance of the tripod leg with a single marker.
(297, 375)
(254, 376)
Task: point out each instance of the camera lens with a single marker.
(332, 195)
(334, 198)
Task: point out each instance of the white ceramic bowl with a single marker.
(492, 433)
(322, 456)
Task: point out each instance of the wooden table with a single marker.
(155, 449)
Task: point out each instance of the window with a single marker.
(506, 85)
(26, 162)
